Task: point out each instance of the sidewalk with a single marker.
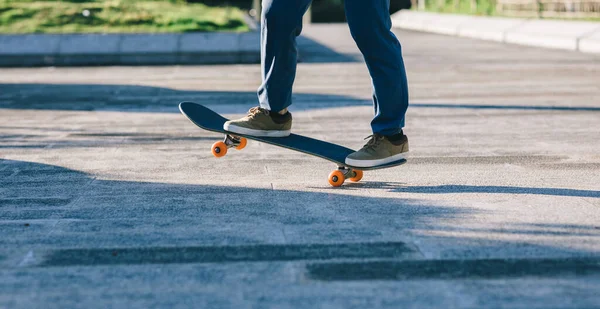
(129, 49)
(568, 35)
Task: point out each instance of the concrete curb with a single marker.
(568, 35)
(129, 49)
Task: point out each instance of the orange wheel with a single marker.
(336, 178)
(243, 143)
(219, 149)
(358, 176)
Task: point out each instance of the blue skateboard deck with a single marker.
(209, 120)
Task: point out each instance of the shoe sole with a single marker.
(372, 163)
(252, 132)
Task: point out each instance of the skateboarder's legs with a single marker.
(281, 23)
(370, 25)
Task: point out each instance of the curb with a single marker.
(129, 49)
(567, 35)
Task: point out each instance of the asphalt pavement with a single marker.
(110, 198)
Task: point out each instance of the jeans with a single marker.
(370, 26)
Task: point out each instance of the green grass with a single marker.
(110, 16)
(483, 8)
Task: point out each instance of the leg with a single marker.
(281, 23)
(370, 24)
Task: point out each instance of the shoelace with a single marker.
(375, 140)
(253, 112)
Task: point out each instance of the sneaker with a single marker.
(261, 122)
(379, 150)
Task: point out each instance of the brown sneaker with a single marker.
(379, 150)
(261, 122)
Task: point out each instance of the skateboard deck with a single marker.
(207, 119)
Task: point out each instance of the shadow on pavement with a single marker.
(123, 222)
(455, 269)
(310, 51)
(128, 98)
(133, 98)
(450, 189)
(498, 189)
(97, 222)
(78, 138)
(508, 107)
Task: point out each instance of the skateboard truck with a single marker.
(219, 149)
(337, 177)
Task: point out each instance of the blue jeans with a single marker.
(370, 26)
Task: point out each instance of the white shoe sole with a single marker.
(371, 163)
(252, 132)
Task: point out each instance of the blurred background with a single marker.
(68, 16)
(109, 16)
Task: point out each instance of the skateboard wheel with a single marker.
(243, 143)
(358, 177)
(219, 149)
(336, 178)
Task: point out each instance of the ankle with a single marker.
(397, 138)
(281, 118)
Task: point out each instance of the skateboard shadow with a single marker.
(450, 189)
(365, 184)
(443, 189)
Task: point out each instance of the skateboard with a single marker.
(209, 120)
